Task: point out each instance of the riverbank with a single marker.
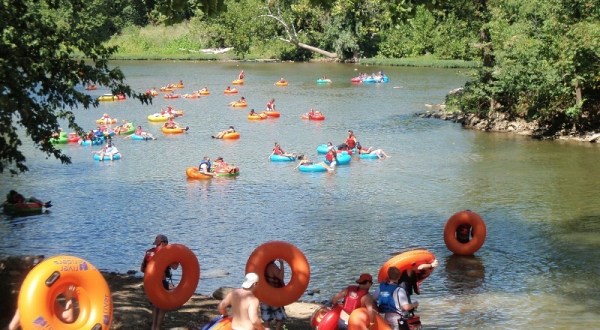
(502, 124)
(132, 309)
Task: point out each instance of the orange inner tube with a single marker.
(194, 173)
(231, 136)
(292, 291)
(155, 272)
(407, 260)
(49, 279)
(224, 324)
(360, 320)
(478, 232)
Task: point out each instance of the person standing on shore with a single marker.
(158, 315)
(244, 305)
(274, 275)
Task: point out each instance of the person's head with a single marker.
(350, 132)
(365, 280)
(219, 159)
(394, 274)
(161, 239)
(139, 126)
(231, 127)
(250, 281)
(358, 146)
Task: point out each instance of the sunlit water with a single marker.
(537, 269)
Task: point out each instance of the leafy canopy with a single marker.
(40, 80)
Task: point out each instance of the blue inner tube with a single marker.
(139, 137)
(96, 142)
(106, 157)
(322, 149)
(323, 81)
(279, 158)
(368, 156)
(312, 168)
(342, 159)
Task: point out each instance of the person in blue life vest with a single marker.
(394, 295)
(205, 165)
(356, 296)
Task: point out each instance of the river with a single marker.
(538, 267)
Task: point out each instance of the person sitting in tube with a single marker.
(222, 133)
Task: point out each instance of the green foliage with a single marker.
(545, 52)
(41, 82)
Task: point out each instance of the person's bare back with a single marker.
(244, 306)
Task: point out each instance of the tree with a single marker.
(40, 80)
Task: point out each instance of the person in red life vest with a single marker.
(356, 296)
(158, 315)
(351, 140)
(331, 157)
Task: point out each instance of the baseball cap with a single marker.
(160, 238)
(249, 280)
(364, 278)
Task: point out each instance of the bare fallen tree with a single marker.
(292, 34)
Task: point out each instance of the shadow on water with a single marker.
(464, 274)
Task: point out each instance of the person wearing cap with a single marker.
(244, 305)
(222, 133)
(356, 296)
(158, 315)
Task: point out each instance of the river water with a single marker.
(538, 267)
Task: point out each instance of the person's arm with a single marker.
(371, 306)
(253, 315)
(224, 304)
(428, 266)
(338, 296)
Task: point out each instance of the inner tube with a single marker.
(280, 158)
(231, 136)
(292, 291)
(238, 82)
(323, 81)
(238, 104)
(368, 156)
(322, 149)
(312, 168)
(219, 323)
(478, 233)
(176, 130)
(230, 91)
(407, 260)
(157, 117)
(194, 173)
(26, 208)
(139, 137)
(359, 320)
(281, 83)
(272, 113)
(342, 159)
(257, 116)
(107, 157)
(155, 272)
(49, 279)
(329, 320)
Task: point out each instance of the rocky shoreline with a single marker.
(131, 308)
(501, 123)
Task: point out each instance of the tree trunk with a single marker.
(578, 96)
(317, 50)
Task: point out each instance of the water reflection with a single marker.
(464, 274)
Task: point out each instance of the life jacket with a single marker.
(353, 297)
(385, 301)
(208, 165)
(277, 151)
(351, 143)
